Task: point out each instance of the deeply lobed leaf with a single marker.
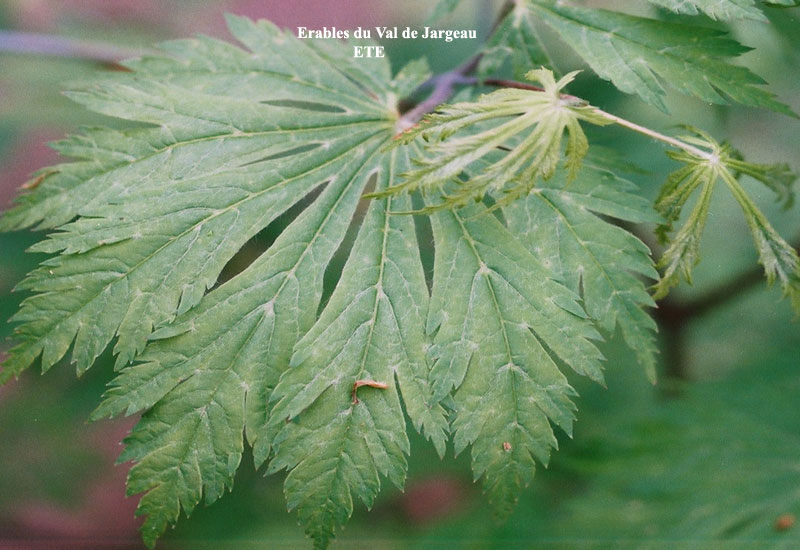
(175, 203)
(169, 206)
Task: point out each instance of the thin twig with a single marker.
(443, 88)
(61, 46)
(444, 84)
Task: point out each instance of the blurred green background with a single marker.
(708, 458)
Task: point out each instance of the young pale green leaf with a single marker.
(683, 252)
(499, 345)
(531, 124)
(335, 439)
(565, 226)
(162, 210)
(725, 10)
(778, 258)
(633, 52)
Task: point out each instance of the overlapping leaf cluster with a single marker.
(233, 137)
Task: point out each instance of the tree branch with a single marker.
(60, 46)
(443, 89)
(444, 84)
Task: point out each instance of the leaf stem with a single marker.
(675, 142)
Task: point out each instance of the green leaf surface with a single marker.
(170, 206)
(566, 225)
(337, 440)
(726, 10)
(202, 388)
(500, 345)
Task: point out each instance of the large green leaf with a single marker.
(239, 138)
(162, 210)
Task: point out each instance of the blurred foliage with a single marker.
(714, 467)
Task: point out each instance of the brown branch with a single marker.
(444, 84)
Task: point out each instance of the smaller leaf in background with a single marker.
(725, 10)
(633, 51)
(777, 256)
(531, 124)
